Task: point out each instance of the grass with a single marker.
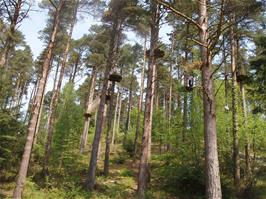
(69, 182)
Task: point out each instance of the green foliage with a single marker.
(119, 158)
(178, 177)
(257, 87)
(12, 136)
(128, 143)
(68, 128)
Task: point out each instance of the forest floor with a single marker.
(70, 183)
(120, 184)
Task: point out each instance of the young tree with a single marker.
(54, 100)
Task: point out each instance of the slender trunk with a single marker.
(185, 114)
(109, 128)
(75, 69)
(36, 109)
(117, 129)
(213, 184)
(226, 89)
(144, 167)
(55, 97)
(236, 160)
(130, 98)
(41, 109)
(32, 96)
(100, 117)
(21, 94)
(247, 144)
(185, 104)
(115, 121)
(154, 76)
(38, 123)
(169, 113)
(87, 117)
(15, 99)
(31, 101)
(140, 99)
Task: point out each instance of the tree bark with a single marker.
(140, 99)
(144, 167)
(213, 184)
(41, 109)
(55, 97)
(75, 69)
(86, 117)
(247, 144)
(169, 112)
(185, 104)
(236, 160)
(116, 29)
(115, 120)
(109, 129)
(130, 101)
(36, 108)
(117, 126)
(32, 96)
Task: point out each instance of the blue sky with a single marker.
(36, 21)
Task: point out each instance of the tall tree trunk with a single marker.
(185, 101)
(75, 69)
(144, 167)
(169, 112)
(32, 99)
(245, 122)
(55, 97)
(226, 89)
(100, 142)
(32, 96)
(213, 184)
(247, 144)
(130, 101)
(109, 129)
(140, 99)
(41, 108)
(236, 160)
(86, 117)
(36, 108)
(116, 29)
(115, 120)
(117, 128)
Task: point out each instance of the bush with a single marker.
(128, 144)
(182, 178)
(119, 159)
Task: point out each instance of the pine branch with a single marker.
(169, 7)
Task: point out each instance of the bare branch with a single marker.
(198, 42)
(53, 4)
(168, 6)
